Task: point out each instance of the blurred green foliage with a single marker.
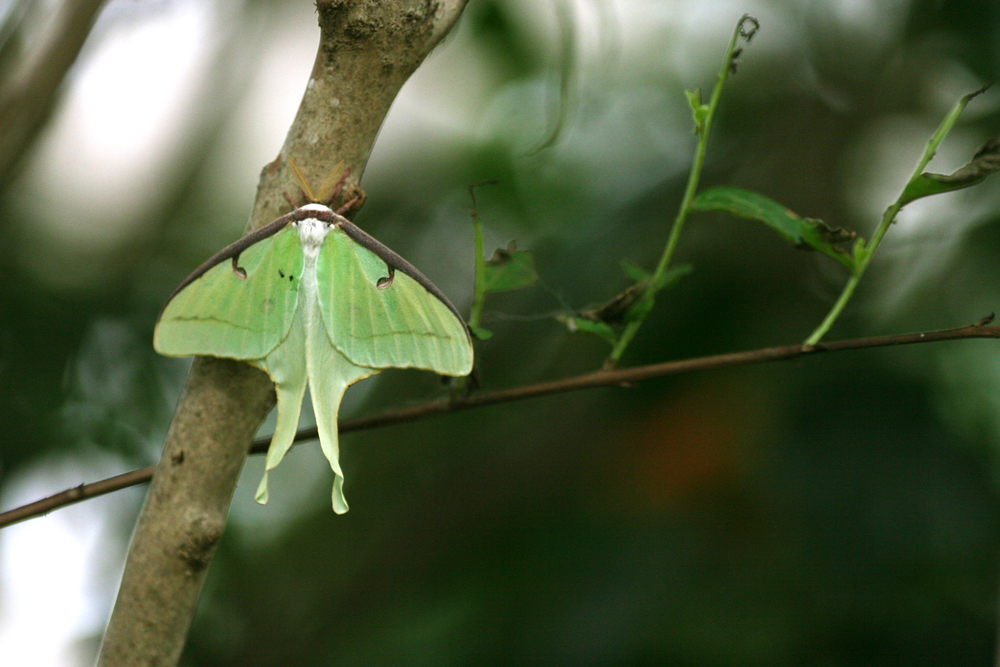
(842, 510)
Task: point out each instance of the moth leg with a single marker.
(353, 204)
(291, 202)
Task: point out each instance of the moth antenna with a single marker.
(332, 184)
(300, 179)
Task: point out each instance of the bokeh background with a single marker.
(842, 510)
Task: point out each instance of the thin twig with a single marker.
(602, 378)
(75, 495)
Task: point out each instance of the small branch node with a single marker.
(201, 536)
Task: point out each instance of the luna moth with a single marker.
(313, 300)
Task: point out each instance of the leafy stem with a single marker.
(507, 269)
(703, 115)
(479, 279)
(863, 252)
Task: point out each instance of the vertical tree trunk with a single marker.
(367, 50)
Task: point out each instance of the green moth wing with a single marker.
(286, 365)
(330, 374)
(222, 311)
(307, 356)
(313, 301)
(381, 312)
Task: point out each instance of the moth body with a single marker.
(313, 300)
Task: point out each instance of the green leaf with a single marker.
(599, 329)
(673, 275)
(635, 272)
(699, 111)
(480, 333)
(508, 269)
(802, 232)
(984, 162)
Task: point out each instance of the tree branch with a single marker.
(367, 50)
(601, 378)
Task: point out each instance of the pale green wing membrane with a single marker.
(286, 365)
(373, 314)
(330, 374)
(307, 353)
(381, 312)
(365, 309)
(221, 313)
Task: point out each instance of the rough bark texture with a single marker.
(185, 511)
(367, 50)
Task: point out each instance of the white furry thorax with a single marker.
(312, 232)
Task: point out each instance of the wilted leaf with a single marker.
(615, 309)
(630, 304)
(984, 162)
(803, 232)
